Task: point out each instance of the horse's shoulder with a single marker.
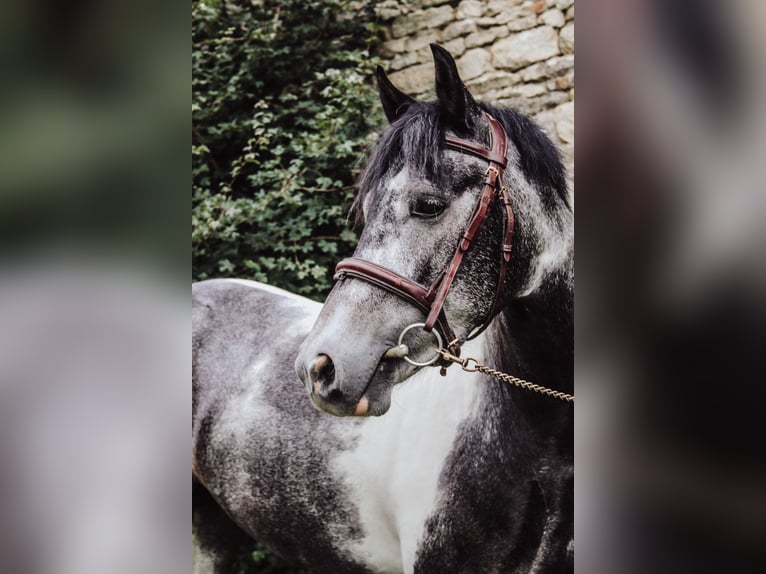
(244, 338)
(237, 323)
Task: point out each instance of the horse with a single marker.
(426, 466)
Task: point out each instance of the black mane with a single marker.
(418, 136)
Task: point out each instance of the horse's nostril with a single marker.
(322, 371)
(323, 381)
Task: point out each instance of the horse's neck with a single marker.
(442, 434)
(533, 339)
(537, 335)
(535, 332)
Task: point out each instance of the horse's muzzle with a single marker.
(323, 383)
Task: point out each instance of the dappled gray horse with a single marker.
(466, 248)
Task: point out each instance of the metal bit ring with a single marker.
(439, 342)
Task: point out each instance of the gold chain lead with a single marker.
(478, 367)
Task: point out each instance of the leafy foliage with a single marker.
(281, 114)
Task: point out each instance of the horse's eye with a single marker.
(427, 207)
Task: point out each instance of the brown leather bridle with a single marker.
(431, 299)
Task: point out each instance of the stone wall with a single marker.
(517, 53)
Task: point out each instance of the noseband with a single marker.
(431, 299)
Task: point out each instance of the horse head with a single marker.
(418, 198)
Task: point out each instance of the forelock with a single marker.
(415, 139)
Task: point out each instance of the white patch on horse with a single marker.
(393, 187)
(552, 241)
(383, 254)
(395, 466)
(553, 256)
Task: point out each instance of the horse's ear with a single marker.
(394, 101)
(457, 104)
